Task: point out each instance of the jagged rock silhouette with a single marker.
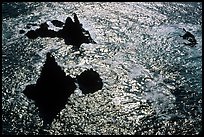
(89, 81)
(73, 33)
(51, 91)
(190, 37)
(53, 88)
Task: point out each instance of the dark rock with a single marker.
(76, 20)
(68, 23)
(30, 91)
(28, 27)
(44, 26)
(51, 91)
(89, 81)
(190, 37)
(57, 23)
(42, 32)
(31, 34)
(72, 32)
(22, 31)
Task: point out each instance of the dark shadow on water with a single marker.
(72, 32)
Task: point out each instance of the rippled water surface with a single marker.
(152, 81)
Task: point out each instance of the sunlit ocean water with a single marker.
(152, 81)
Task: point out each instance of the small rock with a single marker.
(57, 23)
(89, 81)
(22, 31)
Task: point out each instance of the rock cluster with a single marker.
(72, 32)
(54, 87)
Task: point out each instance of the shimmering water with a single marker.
(152, 81)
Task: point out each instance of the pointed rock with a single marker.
(51, 91)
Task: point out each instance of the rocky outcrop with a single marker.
(51, 91)
(53, 88)
(89, 81)
(72, 32)
(190, 37)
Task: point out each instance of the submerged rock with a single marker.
(89, 81)
(51, 91)
(72, 32)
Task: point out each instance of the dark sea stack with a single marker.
(72, 32)
(51, 91)
(57, 23)
(76, 20)
(66, 32)
(68, 23)
(89, 81)
(77, 34)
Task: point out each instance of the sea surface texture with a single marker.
(152, 81)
